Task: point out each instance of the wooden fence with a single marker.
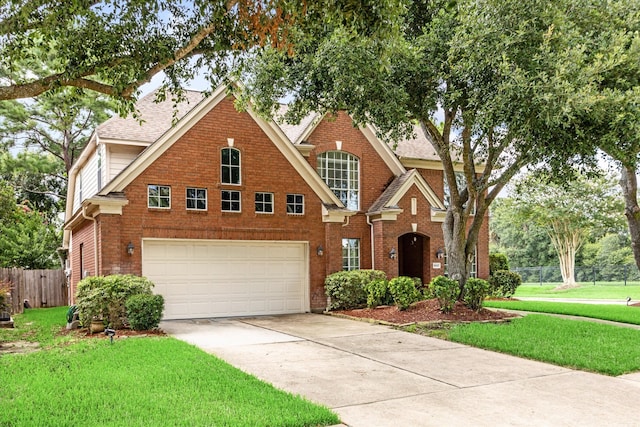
(42, 288)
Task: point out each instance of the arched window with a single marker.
(341, 172)
(230, 166)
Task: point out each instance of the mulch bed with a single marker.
(426, 311)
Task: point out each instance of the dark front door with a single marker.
(411, 255)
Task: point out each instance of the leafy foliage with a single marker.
(104, 297)
(475, 291)
(446, 291)
(503, 283)
(404, 291)
(347, 289)
(378, 293)
(28, 240)
(144, 311)
(498, 261)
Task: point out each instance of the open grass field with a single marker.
(612, 291)
(137, 381)
(615, 313)
(583, 345)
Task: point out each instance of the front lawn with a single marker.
(615, 313)
(588, 291)
(141, 382)
(584, 345)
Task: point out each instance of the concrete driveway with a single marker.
(372, 375)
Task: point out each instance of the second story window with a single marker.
(341, 172)
(230, 166)
(159, 196)
(197, 199)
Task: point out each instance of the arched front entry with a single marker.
(413, 250)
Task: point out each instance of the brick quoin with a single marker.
(194, 161)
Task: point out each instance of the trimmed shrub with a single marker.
(497, 262)
(475, 291)
(446, 291)
(503, 283)
(404, 291)
(346, 289)
(104, 297)
(5, 293)
(378, 293)
(144, 311)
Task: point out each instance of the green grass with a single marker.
(587, 291)
(583, 345)
(615, 313)
(140, 382)
(37, 325)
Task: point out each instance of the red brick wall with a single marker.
(82, 235)
(194, 161)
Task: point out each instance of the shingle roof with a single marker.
(389, 192)
(419, 147)
(295, 132)
(157, 118)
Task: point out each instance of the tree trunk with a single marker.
(566, 242)
(456, 244)
(629, 184)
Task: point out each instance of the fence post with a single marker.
(540, 275)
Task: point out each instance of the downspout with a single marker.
(373, 252)
(95, 242)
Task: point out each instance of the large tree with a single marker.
(569, 212)
(115, 46)
(481, 78)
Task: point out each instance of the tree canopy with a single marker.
(484, 80)
(115, 46)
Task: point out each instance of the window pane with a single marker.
(340, 171)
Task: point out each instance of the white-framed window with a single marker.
(159, 196)
(230, 166)
(230, 201)
(350, 254)
(196, 199)
(341, 172)
(295, 204)
(264, 203)
(461, 182)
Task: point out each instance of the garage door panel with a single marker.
(227, 278)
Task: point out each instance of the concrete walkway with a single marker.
(373, 375)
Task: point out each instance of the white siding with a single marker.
(120, 156)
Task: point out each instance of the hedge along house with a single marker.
(231, 215)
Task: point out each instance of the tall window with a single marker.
(461, 183)
(341, 172)
(159, 196)
(350, 254)
(197, 199)
(230, 166)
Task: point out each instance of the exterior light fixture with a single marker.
(440, 253)
(320, 250)
(130, 248)
(392, 253)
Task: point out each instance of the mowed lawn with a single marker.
(138, 381)
(587, 291)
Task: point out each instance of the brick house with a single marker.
(230, 214)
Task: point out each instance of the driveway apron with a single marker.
(373, 375)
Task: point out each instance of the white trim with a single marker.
(383, 150)
(231, 148)
(422, 185)
(231, 201)
(159, 196)
(206, 199)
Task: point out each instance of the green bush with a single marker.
(404, 291)
(5, 292)
(378, 293)
(497, 262)
(475, 291)
(503, 283)
(144, 311)
(346, 289)
(104, 297)
(446, 291)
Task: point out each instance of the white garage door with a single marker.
(221, 278)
